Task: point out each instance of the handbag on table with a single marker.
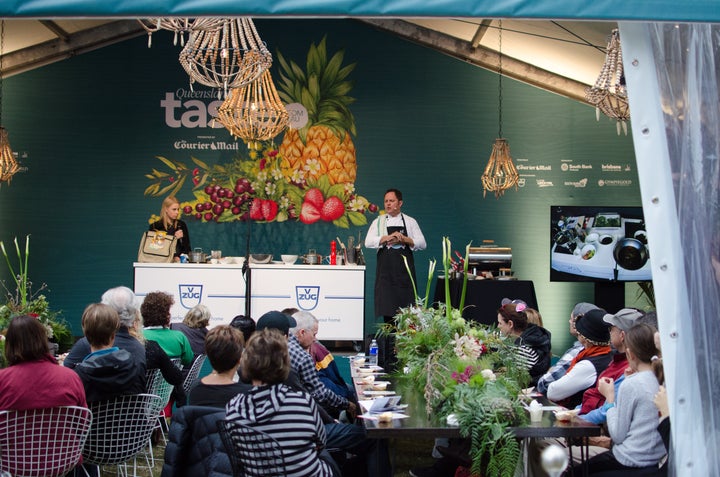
(157, 247)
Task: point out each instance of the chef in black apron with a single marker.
(395, 235)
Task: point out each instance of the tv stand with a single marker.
(610, 296)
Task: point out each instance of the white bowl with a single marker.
(289, 259)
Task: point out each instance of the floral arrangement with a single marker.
(23, 301)
(466, 369)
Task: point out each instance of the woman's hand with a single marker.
(661, 403)
(606, 386)
(179, 234)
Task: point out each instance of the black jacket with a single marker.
(194, 447)
(112, 374)
(537, 338)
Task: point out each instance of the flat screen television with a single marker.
(598, 244)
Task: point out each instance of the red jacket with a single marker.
(592, 399)
(40, 384)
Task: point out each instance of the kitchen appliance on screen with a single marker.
(597, 244)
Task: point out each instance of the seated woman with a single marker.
(273, 408)
(533, 341)
(194, 326)
(224, 347)
(155, 311)
(633, 418)
(33, 379)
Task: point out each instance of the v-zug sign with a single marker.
(307, 297)
(190, 295)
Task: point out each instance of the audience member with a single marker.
(155, 311)
(245, 324)
(560, 368)
(224, 347)
(632, 418)
(194, 327)
(156, 358)
(534, 316)
(124, 302)
(33, 379)
(532, 341)
(107, 371)
(585, 368)
(273, 408)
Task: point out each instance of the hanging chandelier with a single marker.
(180, 26)
(8, 164)
(500, 173)
(231, 56)
(609, 94)
(254, 113)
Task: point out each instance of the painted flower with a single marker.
(312, 166)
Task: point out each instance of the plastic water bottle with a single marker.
(373, 353)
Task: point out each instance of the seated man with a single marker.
(107, 371)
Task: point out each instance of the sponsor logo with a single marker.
(578, 184)
(539, 167)
(190, 295)
(615, 183)
(307, 297)
(521, 182)
(575, 167)
(182, 144)
(611, 168)
(188, 109)
(544, 183)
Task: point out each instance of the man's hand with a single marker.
(352, 410)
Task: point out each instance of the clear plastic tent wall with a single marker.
(677, 144)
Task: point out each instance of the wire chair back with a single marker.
(42, 442)
(251, 452)
(121, 428)
(194, 374)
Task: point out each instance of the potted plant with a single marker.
(23, 301)
(466, 371)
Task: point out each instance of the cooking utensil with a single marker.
(197, 256)
(630, 253)
(312, 259)
(261, 258)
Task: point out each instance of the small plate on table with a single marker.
(378, 393)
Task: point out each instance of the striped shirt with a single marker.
(304, 364)
(291, 418)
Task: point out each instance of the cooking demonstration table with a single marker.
(483, 297)
(334, 294)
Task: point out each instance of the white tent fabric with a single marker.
(677, 144)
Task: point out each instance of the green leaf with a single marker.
(152, 189)
(168, 163)
(342, 222)
(357, 218)
(200, 163)
(337, 190)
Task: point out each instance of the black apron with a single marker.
(393, 287)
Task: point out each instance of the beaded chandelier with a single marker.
(231, 56)
(180, 26)
(8, 164)
(609, 94)
(254, 112)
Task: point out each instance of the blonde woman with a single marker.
(170, 222)
(194, 327)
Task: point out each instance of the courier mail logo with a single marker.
(307, 297)
(190, 295)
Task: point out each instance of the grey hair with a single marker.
(123, 300)
(305, 321)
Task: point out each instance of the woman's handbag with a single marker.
(157, 247)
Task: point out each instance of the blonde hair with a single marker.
(198, 317)
(534, 316)
(136, 330)
(169, 200)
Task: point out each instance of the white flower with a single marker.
(466, 347)
(488, 374)
(312, 166)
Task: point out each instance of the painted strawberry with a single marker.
(315, 197)
(269, 209)
(309, 214)
(332, 209)
(256, 211)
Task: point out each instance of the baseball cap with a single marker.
(276, 320)
(593, 326)
(623, 319)
(583, 307)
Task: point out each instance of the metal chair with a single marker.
(157, 385)
(42, 442)
(251, 452)
(121, 429)
(194, 374)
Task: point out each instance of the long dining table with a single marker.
(418, 423)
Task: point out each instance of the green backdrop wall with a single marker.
(92, 126)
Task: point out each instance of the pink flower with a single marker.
(263, 163)
(272, 153)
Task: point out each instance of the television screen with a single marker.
(595, 244)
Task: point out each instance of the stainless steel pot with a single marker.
(197, 256)
(630, 253)
(312, 259)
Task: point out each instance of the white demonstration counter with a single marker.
(335, 295)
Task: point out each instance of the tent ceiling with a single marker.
(560, 56)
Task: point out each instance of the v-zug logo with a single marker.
(307, 297)
(190, 295)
